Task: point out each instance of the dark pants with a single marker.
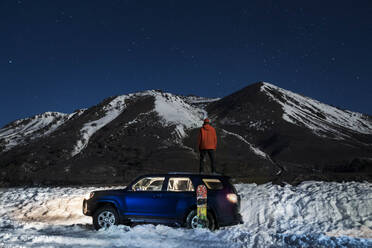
(211, 157)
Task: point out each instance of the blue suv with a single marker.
(168, 199)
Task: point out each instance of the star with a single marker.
(10, 61)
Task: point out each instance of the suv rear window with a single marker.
(213, 183)
(180, 184)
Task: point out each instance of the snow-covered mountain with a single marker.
(178, 111)
(302, 136)
(321, 118)
(22, 131)
(172, 111)
(265, 133)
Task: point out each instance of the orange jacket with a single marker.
(207, 139)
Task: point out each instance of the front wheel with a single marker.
(105, 217)
(192, 220)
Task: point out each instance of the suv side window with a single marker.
(149, 184)
(180, 184)
(213, 183)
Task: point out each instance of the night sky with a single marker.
(65, 55)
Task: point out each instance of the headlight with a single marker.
(233, 198)
(89, 196)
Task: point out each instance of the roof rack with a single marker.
(194, 173)
(175, 172)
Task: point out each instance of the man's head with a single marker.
(206, 121)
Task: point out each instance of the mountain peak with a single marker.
(171, 109)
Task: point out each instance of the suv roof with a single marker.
(190, 174)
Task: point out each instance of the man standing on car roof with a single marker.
(207, 143)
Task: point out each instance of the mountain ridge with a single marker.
(269, 133)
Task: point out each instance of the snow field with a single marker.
(313, 214)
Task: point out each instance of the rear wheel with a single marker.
(192, 220)
(105, 217)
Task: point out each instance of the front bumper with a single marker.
(239, 218)
(86, 209)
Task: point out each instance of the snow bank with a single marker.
(304, 216)
(313, 214)
(317, 116)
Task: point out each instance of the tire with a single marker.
(105, 217)
(191, 220)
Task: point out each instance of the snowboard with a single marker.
(201, 203)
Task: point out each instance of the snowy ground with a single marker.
(313, 214)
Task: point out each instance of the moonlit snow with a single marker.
(313, 214)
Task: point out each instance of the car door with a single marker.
(179, 195)
(144, 199)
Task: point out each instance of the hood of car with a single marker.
(109, 192)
